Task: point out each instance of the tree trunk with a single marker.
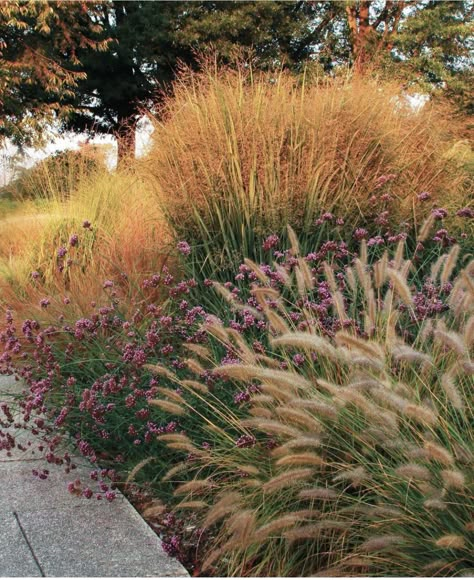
(364, 30)
(357, 13)
(125, 142)
(363, 33)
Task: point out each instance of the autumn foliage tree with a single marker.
(426, 44)
(39, 65)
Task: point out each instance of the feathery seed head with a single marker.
(289, 478)
(195, 366)
(378, 543)
(452, 340)
(297, 443)
(160, 370)
(314, 531)
(295, 246)
(269, 426)
(452, 392)
(450, 264)
(413, 471)
(421, 414)
(451, 542)
(248, 372)
(301, 459)
(400, 286)
(284, 521)
(196, 486)
(320, 493)
(437, 453)
(168, 406)
(435, 504)
(356, 476)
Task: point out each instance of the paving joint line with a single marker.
(43, 575)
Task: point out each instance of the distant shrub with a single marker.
(56, 176)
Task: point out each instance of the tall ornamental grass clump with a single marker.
(63, 247)
(351, 449)
(238, 154)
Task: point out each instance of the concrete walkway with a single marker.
(47, 532)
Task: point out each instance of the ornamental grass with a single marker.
(237, 155)
(62, 248)
(351, 450)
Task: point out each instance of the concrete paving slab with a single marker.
(19, 488)
(31, 443)
(9, 387)
(16, 558)
(27, 440)
(96, 539)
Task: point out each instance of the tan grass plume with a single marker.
(287, 479)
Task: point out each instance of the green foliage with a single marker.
(434, 49)
(426, 44)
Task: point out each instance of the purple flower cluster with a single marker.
(184, 248)
(383, 179)
(424, 196)
(360, 234)
(466, 212)
(271, 242)
(74, 240)
(439, 213)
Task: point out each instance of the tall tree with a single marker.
(39, 66)
(427, 44)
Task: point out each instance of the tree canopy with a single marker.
(39, 65)
(152, 39)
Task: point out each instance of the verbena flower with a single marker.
(465, 212)
(270, 242)
(74, 240)
(184, 248)
(439, 213)
(424, 196)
